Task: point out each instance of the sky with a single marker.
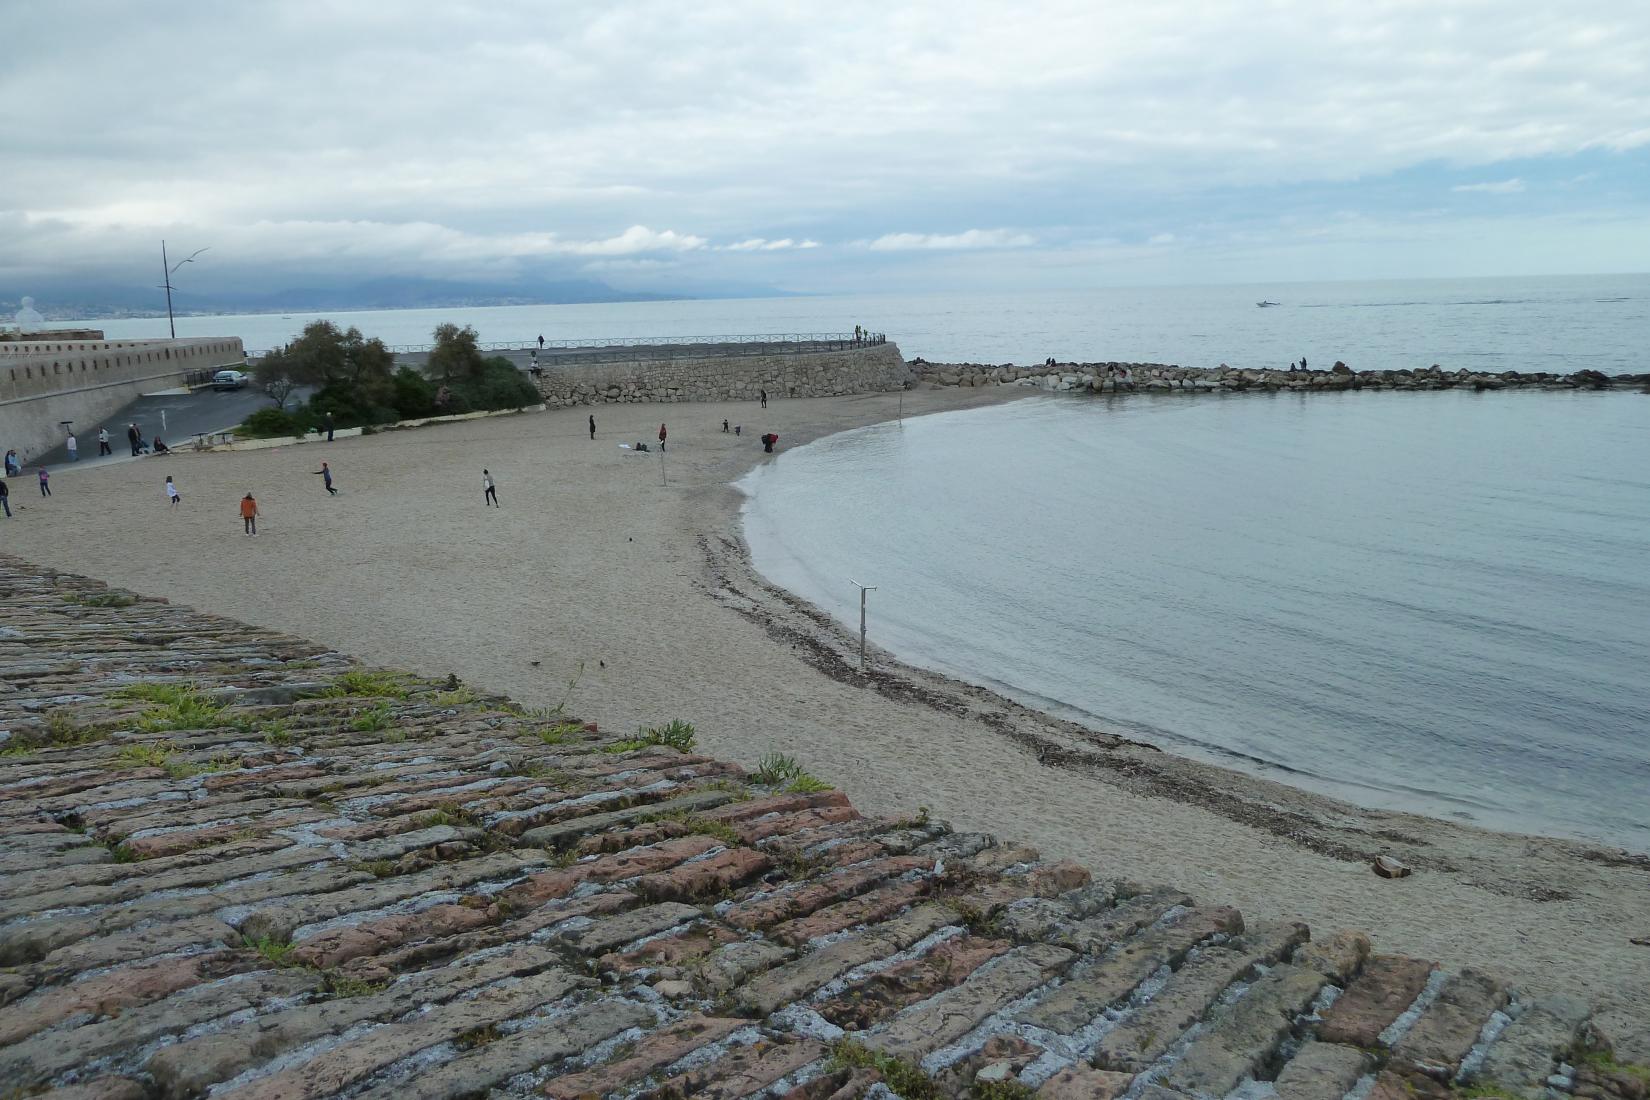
(817, 148)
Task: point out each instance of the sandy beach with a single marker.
(618, 583)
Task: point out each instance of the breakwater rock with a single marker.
(238, 863)
(649, 376)
(1170, 378)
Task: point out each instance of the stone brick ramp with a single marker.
(237, 863)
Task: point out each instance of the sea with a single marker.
(1434, 602)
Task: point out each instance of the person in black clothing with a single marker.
(5, 497)
(135, 439)
(329, 427)
(592, 425)
(541, 341)
(764, 399)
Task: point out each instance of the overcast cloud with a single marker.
(824, 147)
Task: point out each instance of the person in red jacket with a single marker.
(661, 437)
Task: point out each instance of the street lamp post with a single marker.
(168, 269)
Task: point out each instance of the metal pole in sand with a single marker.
(863, 588)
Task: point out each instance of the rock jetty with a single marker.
(1168, 378)
(241, 865)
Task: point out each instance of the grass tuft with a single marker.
(371, 720)
(909, 1081)
(113, 598)
(367, 683)
(776, 769)
(677, 735)
(275, 952)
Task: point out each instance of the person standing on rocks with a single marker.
(172, 495)
(326, 479)
(103, 442)
(489, 493)
(661, 437)
(45, 482)
(249, 515)
(592, 425)
(74, 448)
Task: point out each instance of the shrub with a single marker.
(269, 424)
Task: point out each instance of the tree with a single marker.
(274, 376)
(456, 356)
(325, 356)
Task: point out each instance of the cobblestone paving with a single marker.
(240, 865)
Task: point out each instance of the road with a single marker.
(175, 417)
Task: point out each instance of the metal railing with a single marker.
(615, 348)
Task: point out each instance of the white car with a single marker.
(229, 380)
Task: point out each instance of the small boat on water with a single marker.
(1263, 305)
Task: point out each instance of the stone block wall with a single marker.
(43, 382)
(236, 862)
(872, 369)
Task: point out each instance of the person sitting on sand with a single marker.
(160, 446)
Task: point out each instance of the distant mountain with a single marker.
(82, 301)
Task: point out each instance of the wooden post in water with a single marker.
(863, 588)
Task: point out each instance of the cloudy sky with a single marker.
(814, 147)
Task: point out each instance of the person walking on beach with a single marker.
(661, 437)
(103, 442)
(74, 448)
(489, 490)
(326, 479)
(541, 341)
(592, 425)
(173, 497)
(45, 482)
(764, 394)
(5, 497)
(249, 515)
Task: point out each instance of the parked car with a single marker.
(229, 380)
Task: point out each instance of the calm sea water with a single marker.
(1567, 323)
(1431, 601)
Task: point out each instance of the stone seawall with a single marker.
(238, 862)
(874, 368)
(1170, 378)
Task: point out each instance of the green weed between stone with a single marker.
(456, 698)
(371, 720)
(677, 735)
(1600, 1060)
(901, 1076)
(367, 683)
(335, 984)
(186, 709)
(275, 952)
(779, 770)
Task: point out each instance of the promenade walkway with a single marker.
(237, 861)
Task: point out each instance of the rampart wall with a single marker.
(45, 382)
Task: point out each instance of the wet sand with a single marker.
(633, 601)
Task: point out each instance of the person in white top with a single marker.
(74, 448)
(103, 441)
(490, 494)
(172, 493)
